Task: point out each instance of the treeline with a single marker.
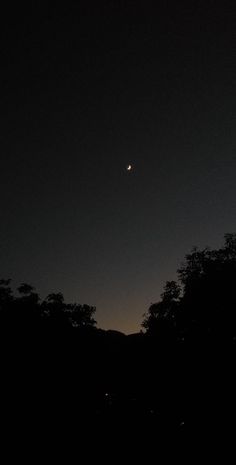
(200, 305)
(25, 311)
(179, 371)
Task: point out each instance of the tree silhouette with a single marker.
(60, 362)
(81, 315)
(25, 312)
(65, 315)
(208, 278)
(161, 316)
(203, 304)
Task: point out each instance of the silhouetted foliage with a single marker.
(161, 317)
(56, 365)
(25, 289)
(81, 315)
(203, 303)
(26, 311)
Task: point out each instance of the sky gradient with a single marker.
(87, 89)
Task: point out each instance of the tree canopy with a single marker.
(203, 300)
(25, 310)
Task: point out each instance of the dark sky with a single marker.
(87, 89)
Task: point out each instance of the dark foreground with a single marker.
(56, 381)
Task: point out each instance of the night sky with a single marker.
(87, 89)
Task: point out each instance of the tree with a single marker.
(203, 304)
(208, 278)
(25, 313)
(27, 297)
(68, 315)
(81, 315)
(161, 316)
